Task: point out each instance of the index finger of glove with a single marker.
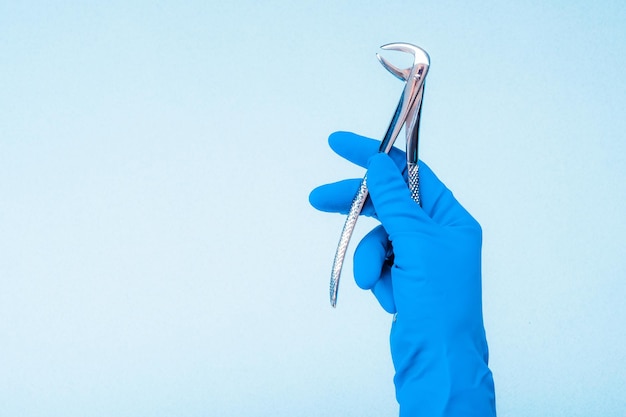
(337, 197)
(359, 149)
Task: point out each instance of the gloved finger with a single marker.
(392, 199)
(383, 291)
(337, 197)
(358, 149)
(369, 258)
(371, 269)
(438, 201)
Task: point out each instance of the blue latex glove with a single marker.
(438, 342)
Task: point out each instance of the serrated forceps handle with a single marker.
(346, 233)
(357, 206)
(412, 141)
(414, 183)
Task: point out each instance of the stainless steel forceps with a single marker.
(407, 115)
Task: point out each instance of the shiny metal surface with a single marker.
(407, 116)
(355, 209)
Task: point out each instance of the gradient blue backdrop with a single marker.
(158, 256)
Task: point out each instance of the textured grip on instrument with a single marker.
(414, 182)
(355, 209)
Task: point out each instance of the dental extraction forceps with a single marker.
(407, 115)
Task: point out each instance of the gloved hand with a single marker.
(438, 342)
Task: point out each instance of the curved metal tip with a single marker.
(420, 55)
(401, 74)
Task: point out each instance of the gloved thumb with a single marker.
(391, 197)
(438, 202)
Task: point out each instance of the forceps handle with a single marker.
(414, 182)
(346, 233)
(412, 161)
(355, 209)
(357, 206)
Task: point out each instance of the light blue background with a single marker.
(158, 256)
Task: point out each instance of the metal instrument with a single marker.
(407, 116)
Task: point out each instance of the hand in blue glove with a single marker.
(438, 343)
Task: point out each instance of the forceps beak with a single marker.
(421, 57)
(401, 74)
(410, 100)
